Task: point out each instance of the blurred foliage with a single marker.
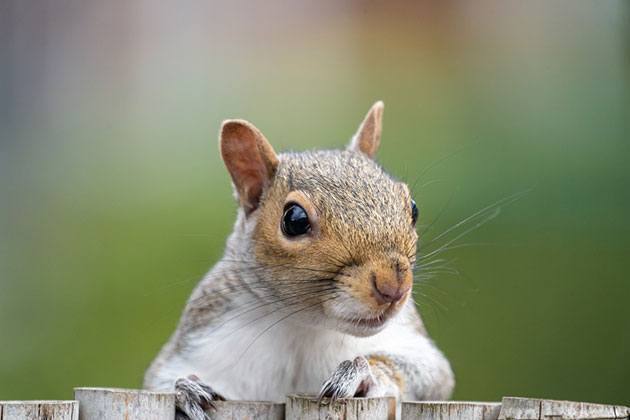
(114, 201)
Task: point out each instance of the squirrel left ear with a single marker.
(250, 160)
(368, 137)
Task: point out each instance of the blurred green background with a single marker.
(114, 201)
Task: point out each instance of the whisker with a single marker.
(504, 201)
(286, 305)
(281, 298)
(492, 215)
(282, 319)
(442, 211)
(250, 286)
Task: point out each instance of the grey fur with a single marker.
(364, 214)
(193, 398)
(350, 379)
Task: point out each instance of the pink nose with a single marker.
(389, 290)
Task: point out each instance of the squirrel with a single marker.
(313, 292)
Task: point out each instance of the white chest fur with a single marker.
(249, 360)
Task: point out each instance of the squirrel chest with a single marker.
(313, 292)
(288, 358)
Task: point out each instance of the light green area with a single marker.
(115, 202)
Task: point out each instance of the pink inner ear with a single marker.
(253, 177)
(368, 137)
(245, 162)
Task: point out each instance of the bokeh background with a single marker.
(114, 201)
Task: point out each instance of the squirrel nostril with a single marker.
(386, 292)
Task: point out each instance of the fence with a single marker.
(115, 404)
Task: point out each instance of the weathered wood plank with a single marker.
(450, 410)
(538, 409)
(115, 404)
(246, 410)
(307, 408)
(39, 410)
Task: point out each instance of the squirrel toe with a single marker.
(193, 398)
(352, 378)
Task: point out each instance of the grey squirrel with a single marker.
(312, 294)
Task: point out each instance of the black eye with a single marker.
(295, 220)
(414, 212)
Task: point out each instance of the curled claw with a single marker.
(193, 398)
(350, 379)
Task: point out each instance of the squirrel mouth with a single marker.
(373, 322)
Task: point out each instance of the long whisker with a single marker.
(281, 298)
(297, 301)
(442, 159)
(260, 334)
(254, 285)
(496, 205)
(428, 227)
(493, 215)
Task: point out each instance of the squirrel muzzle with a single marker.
(383, 281)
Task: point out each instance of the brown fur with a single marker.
(388, 368)
(355, 206)
(361, 247)
(249, 158)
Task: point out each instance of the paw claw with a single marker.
(193, 398)
(350, 379)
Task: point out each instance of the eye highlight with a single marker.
(295, 220)
(414, 212)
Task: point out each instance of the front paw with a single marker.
(193, 398)
(350, 379)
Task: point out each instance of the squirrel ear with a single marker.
(368, 137)
(250, 160)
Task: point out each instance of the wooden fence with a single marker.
(124, 404)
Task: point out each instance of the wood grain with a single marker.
(39, 410)
(538, 409)
(306, 408)
(246, 410)
(450, 410)
(127, 404)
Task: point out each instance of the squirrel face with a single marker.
(330, 227)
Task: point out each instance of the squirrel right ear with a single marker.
(250, 160)
(368, 137)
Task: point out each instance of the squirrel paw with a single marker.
(193, 398)
(350, 379)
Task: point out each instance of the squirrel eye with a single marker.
(295, 220)
(414, 212)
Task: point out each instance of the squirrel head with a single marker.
(329, 232)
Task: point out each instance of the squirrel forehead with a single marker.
(342, 180)
(329, 171)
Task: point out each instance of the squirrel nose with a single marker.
(391, 288)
